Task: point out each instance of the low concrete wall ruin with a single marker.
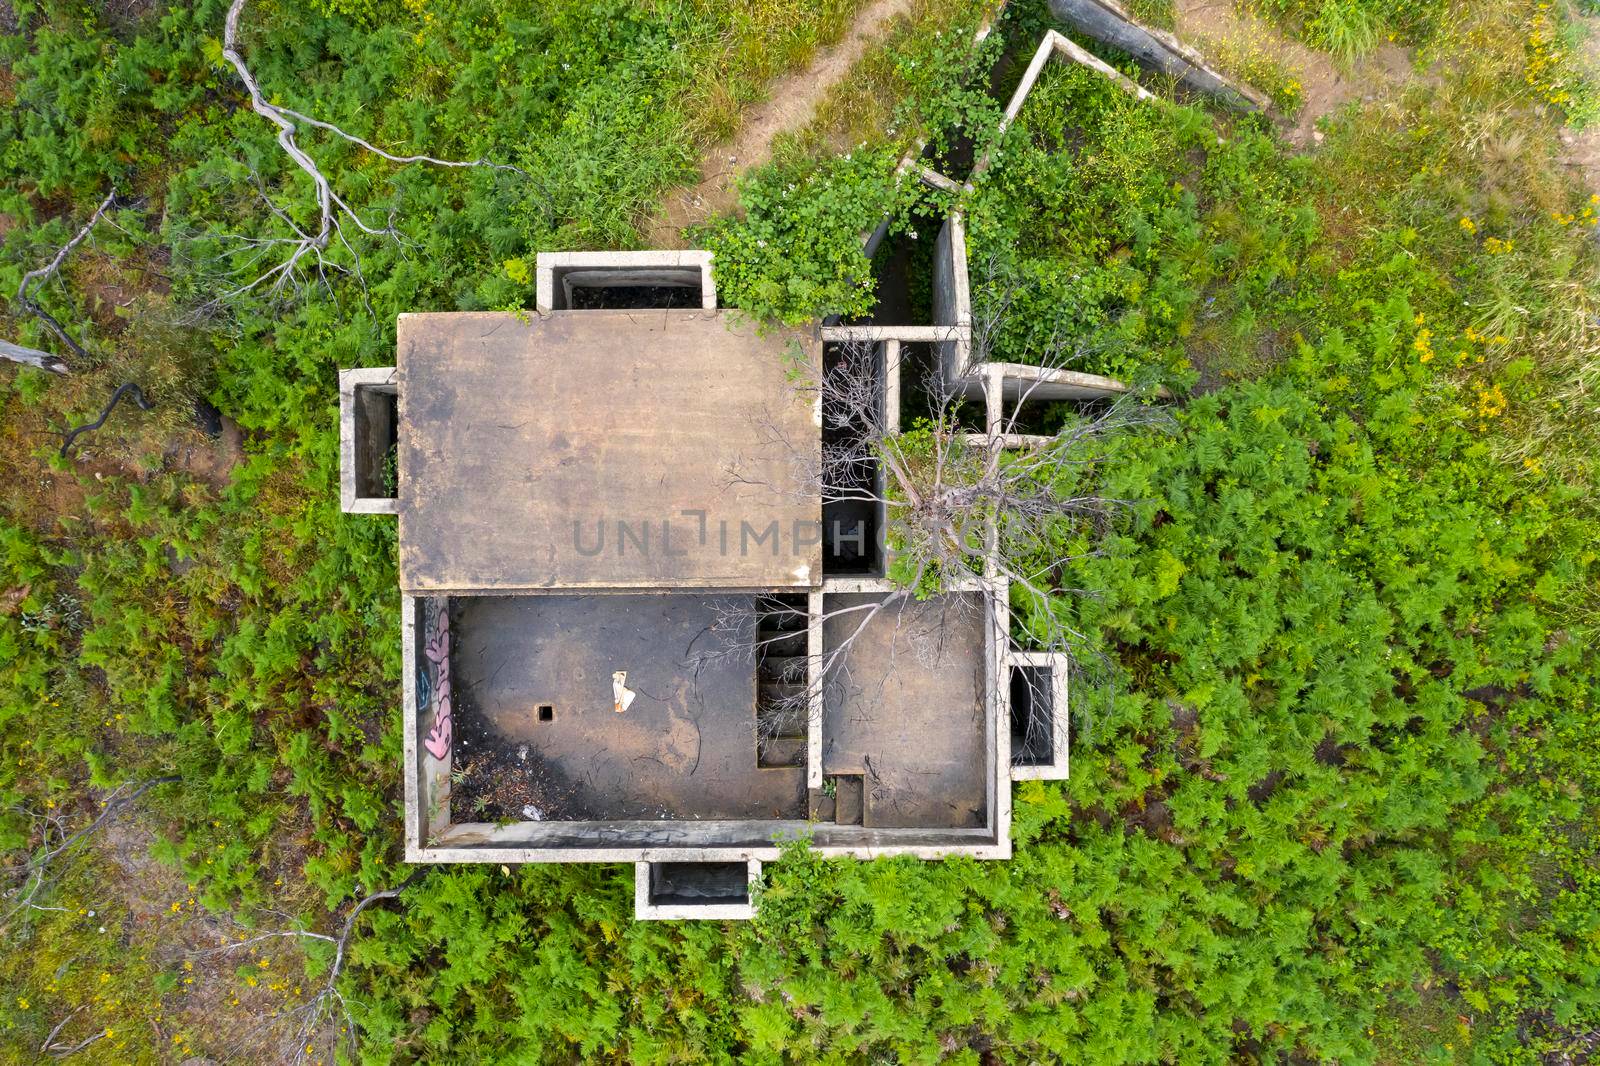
(1106, 21)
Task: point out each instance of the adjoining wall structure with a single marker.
(559, 274)
(959, 335)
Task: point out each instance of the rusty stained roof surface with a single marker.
(580, 449)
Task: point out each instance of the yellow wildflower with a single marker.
(1424, 345)
(1491, 402)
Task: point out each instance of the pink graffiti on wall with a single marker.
(436, 649)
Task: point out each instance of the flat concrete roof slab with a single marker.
(684, 748)
(905, 709)
(579, 450)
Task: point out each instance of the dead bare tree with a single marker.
(37, 872)
(985, 512)
(305, 249)
(323, 1024)
(25, 302)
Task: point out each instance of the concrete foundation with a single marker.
(574, 710)
(368, 428)
(535, 693)
(905, 709)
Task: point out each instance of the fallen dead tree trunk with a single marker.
(16, 353)
(1105, 21)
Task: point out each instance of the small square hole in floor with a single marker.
(547, 713)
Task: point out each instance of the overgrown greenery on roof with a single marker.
(1332, 798)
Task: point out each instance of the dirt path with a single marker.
(789, 105)
(1580, 149)
(1326, 86)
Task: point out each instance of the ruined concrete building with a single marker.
(592, 498)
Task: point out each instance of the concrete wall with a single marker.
(701, 841)
(364, 408)
(557, 273)
(428, 716)
(952, 298)
(1060, 713)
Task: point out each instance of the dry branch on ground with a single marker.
(25, 302)
(323, 1025)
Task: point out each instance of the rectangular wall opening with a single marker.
(849, 798)
(852, 508)
(1032, 716)
(377, 458)
(699, 883)
(626, 288)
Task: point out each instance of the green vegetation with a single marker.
(1333, 799)
(1087, 231)
(796, 252)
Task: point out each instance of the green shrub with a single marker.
(1124, 237)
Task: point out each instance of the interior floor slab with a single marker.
(539, 736)
(904, 708)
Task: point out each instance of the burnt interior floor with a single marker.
(538, 736)
(903, 713)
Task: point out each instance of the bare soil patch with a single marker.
(210, 459)
(1580, 149)
(1326, 85)
(211, 1010)
(1580, 152)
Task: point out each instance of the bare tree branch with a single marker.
(33, 875)
(33, 357)
(59, 1050)
(305, 249)
(25, 302)
(324, 1023)
(125, 389)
